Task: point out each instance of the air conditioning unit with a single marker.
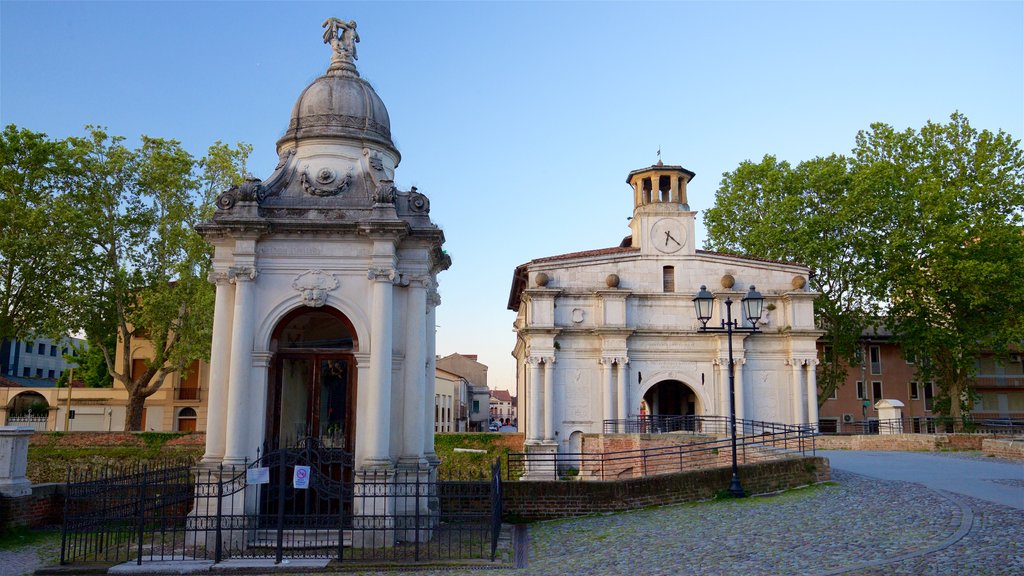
(847, 418)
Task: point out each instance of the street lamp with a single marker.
(752, 303)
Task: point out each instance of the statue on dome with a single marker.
(342, 37)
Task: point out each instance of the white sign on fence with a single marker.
(257, 476)
(300, 478)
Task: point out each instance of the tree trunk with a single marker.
(133, 419)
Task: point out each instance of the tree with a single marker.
(34, 252)
(949, 247)
(804, 214)
(142, 268)
(918, 230)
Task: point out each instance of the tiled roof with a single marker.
(586, 254)
(755, 259)
(501, 395)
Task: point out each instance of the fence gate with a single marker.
(303, 501)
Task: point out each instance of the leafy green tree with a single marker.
(142, 272)
(35, 254)
(949, 246)
(807, 215)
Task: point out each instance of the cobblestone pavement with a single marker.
(856, 525)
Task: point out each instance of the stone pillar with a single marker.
(622, 376)
(378, 389)
(415, 364)
(723, 377)
(890, 416)
(14, 461)
(239, 390)
(797, 389)
(220, 359)
(549, 399)
(812, 393)
(674, 188)
(607, 391)
(740, 391)
(430, 382)
(533, 424)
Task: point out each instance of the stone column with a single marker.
(723, 378)
(798, 391)
(622, 375)
(740, 389)
(239, 391)
(812, 393)
(378, 389)
(549, 400)
(533, 425)
(430, 382)
(220, 359)
(607, 391)
(415, 365)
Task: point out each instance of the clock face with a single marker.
(668, 235)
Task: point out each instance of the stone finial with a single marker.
(542, 279)
(342, 37)
(612, 281)
(799, 282)
(728, 281)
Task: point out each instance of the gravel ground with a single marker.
(856, 525)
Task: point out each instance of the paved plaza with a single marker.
(901, 513)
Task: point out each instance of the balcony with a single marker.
(1002, 381)
(188, 394)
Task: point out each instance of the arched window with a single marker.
(187, 420)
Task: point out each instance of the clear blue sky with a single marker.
(520, 121)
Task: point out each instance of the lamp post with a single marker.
(752, 304)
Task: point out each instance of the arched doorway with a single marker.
(187, 420)
(671, 405)
(312, 390)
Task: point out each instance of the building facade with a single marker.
(611, 334)
(326, 278)
(38, 358)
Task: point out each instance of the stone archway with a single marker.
(671, 398)
(312, 380)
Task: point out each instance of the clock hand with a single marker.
(668, 236)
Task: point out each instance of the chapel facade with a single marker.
(611, 334)
(326, 286)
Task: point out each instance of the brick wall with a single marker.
(531, 500)
(44, 507)
(1011, 449)
(901, 442)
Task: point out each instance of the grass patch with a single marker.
(20, 537)
(470, 465)
(49, 463)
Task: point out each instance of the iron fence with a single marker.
(306, 501)
(922, 425)
(756, 442)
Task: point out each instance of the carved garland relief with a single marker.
(313, 286)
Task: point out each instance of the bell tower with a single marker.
(662, 221)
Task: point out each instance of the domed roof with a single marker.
(340, 104)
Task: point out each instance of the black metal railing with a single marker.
(306, 501)
(708, 447)
(923, 425)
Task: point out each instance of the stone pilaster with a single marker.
(415, 372)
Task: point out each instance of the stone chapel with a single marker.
(611, 334)
(326, 286)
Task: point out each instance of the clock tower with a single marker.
(662, 220)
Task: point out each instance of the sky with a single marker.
(521, 120)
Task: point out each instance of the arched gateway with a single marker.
(326, 277)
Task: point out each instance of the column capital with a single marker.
(220, 278)
(621, 360)
(238, 274)
(423, 281)
(433, 298)
(548, 360)
(606, 360)
(534, 360)
(383, 274)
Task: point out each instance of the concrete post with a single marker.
(14, 461)
(890, 416)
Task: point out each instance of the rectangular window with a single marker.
(929, 396)
(49, 374)
(41, 350)
(835, 394)
(476, 406)
(876, 391)
(668, 278)
(26, 372)
(860, 391)
(53, 351)
(876, 360)
(914, 394)
(64, 351)
(28, 347)
(39, 372)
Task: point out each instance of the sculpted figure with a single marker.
(342, 37)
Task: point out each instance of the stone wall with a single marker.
(44, 507)
(543, 500)
(901, 442)
(1009, 448)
